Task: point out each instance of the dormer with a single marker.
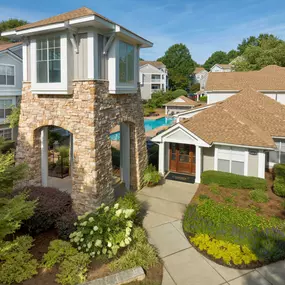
(79, 45)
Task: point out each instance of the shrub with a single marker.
(258, 196)
(214, 188)
(233, 181)
(239, 226)
(203, 99)
(6, 145)
(179, 92)
(279, 186)
(65, 224)
(195, 87)
(141, 253)
(104, 231)
(16, 263)
(219, 249)
(130, 201)
(73, 264)
(151, 176)
(279, 170)
(52, 203)
(73, 270)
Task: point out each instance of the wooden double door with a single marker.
(182, 158)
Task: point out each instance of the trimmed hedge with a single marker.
(265, 237)
(279, 181)
(234, 181)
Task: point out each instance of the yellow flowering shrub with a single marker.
(219, 249)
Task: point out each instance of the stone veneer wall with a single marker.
(89, 114)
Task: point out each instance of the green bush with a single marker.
(6, 145)
(203, 99)
(147, 111)
(179, 92)
(265, 237)
(151, 176)
(279, 186)
(140, 253)
(106, 230)
(234, 181)
(65, 224)
(279, 170)
(16, 263)
(258, 196)
(73, 270)
(130, 201)
(73, 264)
(195, 87)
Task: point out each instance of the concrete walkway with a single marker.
(183, 265)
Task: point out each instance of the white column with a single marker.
(44, 155)
(91, 55)
(261, 164)
(166, 110)
(25, 61)
(198, 164)
(71, 153)
(161, 158)
(125, 154)
(246, 157)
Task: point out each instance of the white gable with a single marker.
(180, 100)
(148, 68)
(179, 136)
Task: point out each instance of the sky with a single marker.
(204, 26)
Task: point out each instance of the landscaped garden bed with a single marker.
(239, 225)
(42, 241)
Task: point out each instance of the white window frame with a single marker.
(4, 99)
(48, 62)
(128, 83)
(230, 157)
(6, 129)
(5, 85)
(278, 144)
(61, 88)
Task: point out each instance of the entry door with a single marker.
(182, 158)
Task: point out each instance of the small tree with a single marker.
(13, 118)
(195, 88)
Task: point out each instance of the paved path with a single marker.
(183, 265)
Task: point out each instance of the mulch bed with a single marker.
(97, 269)
(241, 198)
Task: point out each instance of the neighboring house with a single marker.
(244, 134)
(221, 68)
(178, 105)
(81, 73)
(200, 76)
(11, 76)
(269, 81)
(153, 77)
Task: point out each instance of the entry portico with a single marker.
(180, 151)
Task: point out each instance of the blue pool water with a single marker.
(148, 125)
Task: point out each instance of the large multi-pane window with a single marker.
(278, 155)
(231, 159)
(48, 60)
(126, 63)
(5, 108)
(7, 74)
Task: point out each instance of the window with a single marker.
(6, 134)
(7, 74)
(126, 63)
(231, 160)
(278, 155)
(5, 108)
(48, 60)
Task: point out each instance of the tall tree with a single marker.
(232, 54)
(9, 25)
(180, 65)
(216, 57)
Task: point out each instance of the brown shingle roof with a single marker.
(198, 69)
(269, 78)
(157, 64)
(247, 118)
(187, 102)
(8, 45)
(78, 13)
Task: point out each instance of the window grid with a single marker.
(280, 151)
(48, 60)
(7, 75)
(5, 108)
(6, 134)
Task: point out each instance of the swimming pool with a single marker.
(148, 125)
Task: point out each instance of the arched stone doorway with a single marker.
(89, 114)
